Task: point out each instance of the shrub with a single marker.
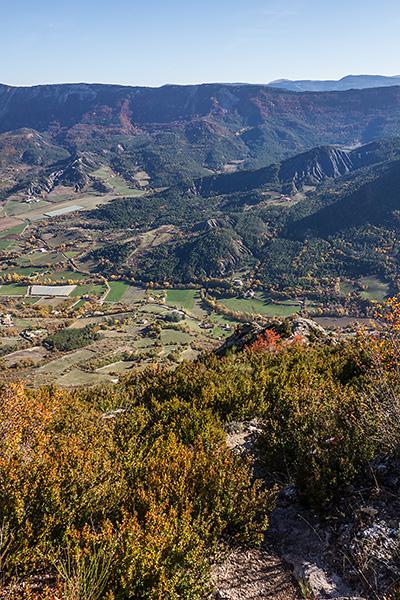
(77, 489)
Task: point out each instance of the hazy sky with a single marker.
(153, 42)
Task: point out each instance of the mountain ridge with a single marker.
(345, 83)
(174, 132)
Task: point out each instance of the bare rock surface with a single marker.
(253, 575)
(297, 546)
(302, 541)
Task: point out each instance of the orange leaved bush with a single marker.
(120, 507)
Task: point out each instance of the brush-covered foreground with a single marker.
(130, 491)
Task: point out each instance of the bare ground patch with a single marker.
(36, 353)
(81, 323)
(9, 222)
(133, 293)
(50, 301)
(254, 575)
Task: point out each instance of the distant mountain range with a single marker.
(175, 132)
(350, 82)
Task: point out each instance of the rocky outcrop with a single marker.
(245, 336)
(248, 333)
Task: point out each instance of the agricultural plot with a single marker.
(189, 354)
(222, 320)
(133, 294)
(22, 271)
(103, 172)
(23, 323)
(168, 349)
(46, 258)
(158, 309)
(199, 309)
(179, 337)
(122, 187)
(17, 229)
(11, 289)
(35, 354)
(117, 291)
(81, 323)
(30, 300)
(18, 207)
(181, 298)
(63, 363)
(7, 342)
(7, 224)
(76, 378)
(376, 289)
(65, 275)
(90, 289)
(194, 326)
(121, 366)
(143, 342)
(48, 301)
(256, 305)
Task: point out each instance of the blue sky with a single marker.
(154, 42)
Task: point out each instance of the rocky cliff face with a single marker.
(290, 120)
(316, 165)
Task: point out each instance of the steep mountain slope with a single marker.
(311, 167)
(27, 147)
(376, 203)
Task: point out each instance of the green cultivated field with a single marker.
(92, 289)
(23, 271)
(117, 291)
(77, 377)
(170, 335)
(15, 208)
(11, 289)
(44, 258)
(32, 300)
(102, 172)
(4, 244)
(65, 362)
(181, 298)
(14, 230)
(119, 367)
(257, 305)
(64, 276)
(23, 323)
(122, 187)
(376, 289)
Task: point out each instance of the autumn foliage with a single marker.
(130, 491)
(117, 503)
